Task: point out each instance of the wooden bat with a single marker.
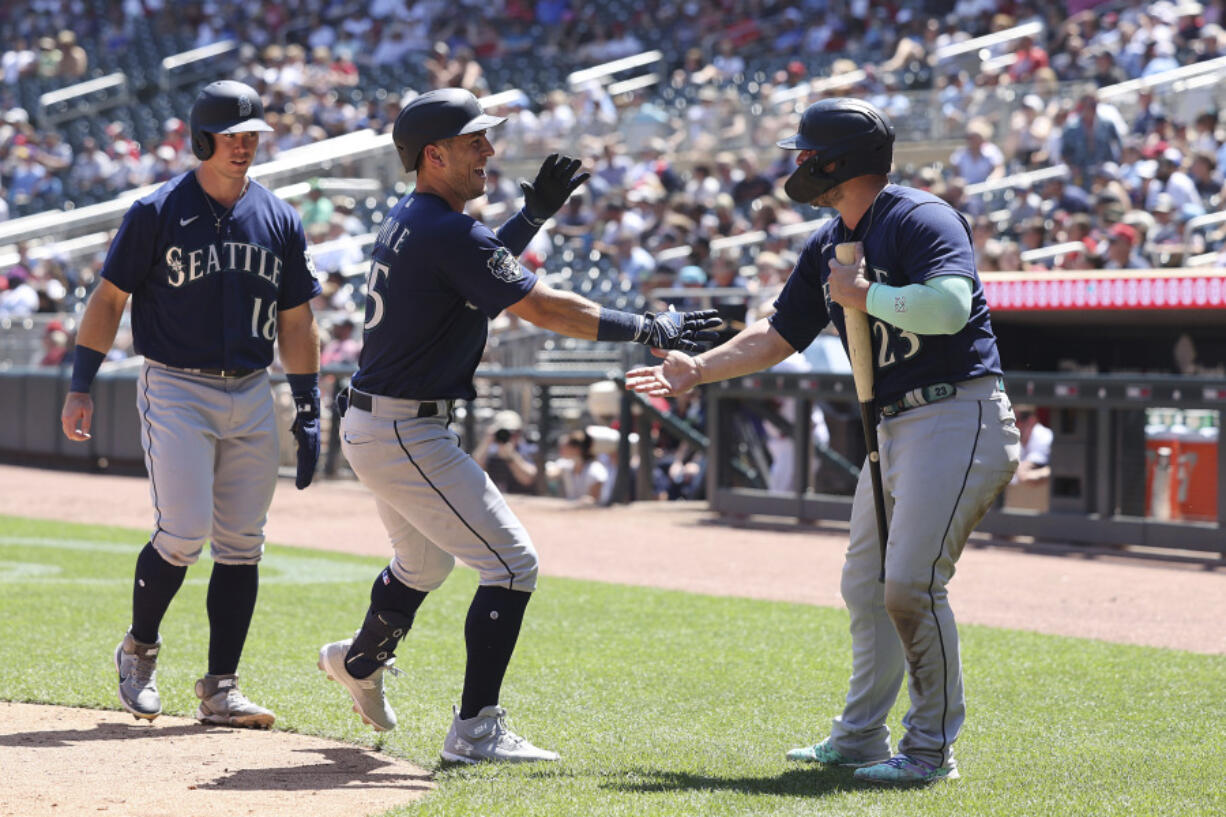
(860, 350)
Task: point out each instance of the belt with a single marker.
(218, 372)
(425, 408)
(919, 397)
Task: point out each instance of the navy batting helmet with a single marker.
(224, 107)
(853, 134)
(437, 115)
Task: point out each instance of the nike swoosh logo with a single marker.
(183, 222)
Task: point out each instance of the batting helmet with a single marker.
(437, 115)
(224, 107)
(853, 134)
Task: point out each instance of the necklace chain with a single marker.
(216, 218)
(872, 211)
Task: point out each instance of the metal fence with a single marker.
(1114, 480)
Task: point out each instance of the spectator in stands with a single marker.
(341, 348)
(1028, 131)
(1206, 178)
(1106, 71)
(91, 169)
(582, 474)
(394, 46)
(1030, 487)
(56, 347)
(1061, 195)
(728, 62)
(318, 208)
(1159, 57)
(633, 263)
(1028, 58)
(18, 62)
(752, 183)
(74, 62)
(506, 456)
(1169, 178)
(680, 466)
(20, 299)
(498, 188)
(1088, 141)
(979, 159)
(49, 57)
(1122, 248)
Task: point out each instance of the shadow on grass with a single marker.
(801, 782)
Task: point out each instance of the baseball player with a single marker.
(947, 436)
(217, 269)
(436, 277)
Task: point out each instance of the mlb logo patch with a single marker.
(504, 266)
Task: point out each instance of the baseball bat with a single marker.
(860, 350)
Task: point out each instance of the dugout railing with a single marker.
(1105, 472)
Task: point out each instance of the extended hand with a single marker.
(554, 183)
(676, 375)
(306, 434)
(679, 330)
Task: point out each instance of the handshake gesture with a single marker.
(686, 331)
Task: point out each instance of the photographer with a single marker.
(506, 456)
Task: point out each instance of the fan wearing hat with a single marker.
(1122, 248)
(1170, 178)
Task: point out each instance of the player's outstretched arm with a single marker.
(756, 347)
(95, 337)
(569, 314)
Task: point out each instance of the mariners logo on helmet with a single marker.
(850, 133)
(224, 107)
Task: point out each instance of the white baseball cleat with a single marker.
(486, 737)
(369, 700)
(136, 663)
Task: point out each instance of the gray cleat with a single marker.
(369, 701)
(222, 703)
(136, 664)
(487, 737)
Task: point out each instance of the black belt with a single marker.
(222, 372)
(426, 408)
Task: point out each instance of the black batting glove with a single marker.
(306, 433)
(687, 331)
(554, 183)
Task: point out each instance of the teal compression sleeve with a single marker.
(939, 306)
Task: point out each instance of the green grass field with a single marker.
(661, 703)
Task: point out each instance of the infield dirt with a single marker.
(682, 546)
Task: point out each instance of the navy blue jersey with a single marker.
(203, 299)
(909, 237)
(436, 279)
